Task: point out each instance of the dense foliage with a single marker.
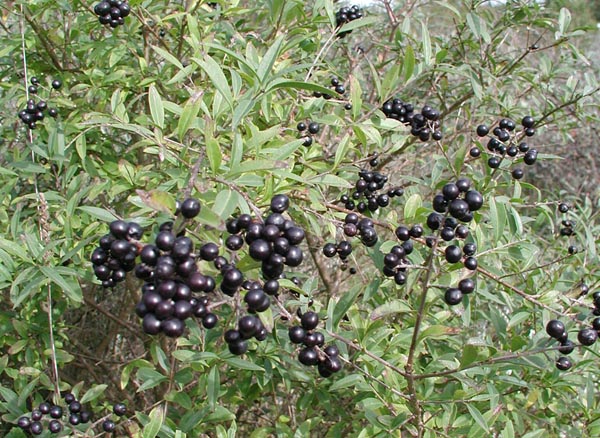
(440, 322)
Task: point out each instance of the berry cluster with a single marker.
(368, 186)
(313, 354)
(34, 112)
(505, 142)
(346, 15)
(51, 416)
(313, 129)
(112, 12)
(394, 262)
(424, 125)
(168, 268)
(249, 326)
(353, 226)
(273, 242)
(337, 86)
(567, 228)
(117, 252)
(556, 329)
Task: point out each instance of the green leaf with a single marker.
(564, 20)
(298, 85)
(168, 57)
(93, 393)
(156, 420)
(408, 66)
(156, 107)
(345, 302)
(391, 307)
(346, 382)
(71, 289)
(217, 77)
(213, 387)
(189, 114)
(98, 213)
(426, 42)
(355, 24)
(476, 415)
(266, 64)
(411, 206)
(225, 203)
(158, 200)
(242, 364)
(213, 151)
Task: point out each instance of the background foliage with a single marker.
(190, 98)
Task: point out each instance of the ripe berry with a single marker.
(587, 336)
(563, 208)
(470, 263)
(56, 84)
(238, 347)
(563, 363)
(55, 426)
(474, 199)
(75, 407)
(210, 320)
(190, 208)
(555, 328)
(517, 173)
(567, 347)
(466, 285)
(527, 122)
(120, 409)
(301, 126)
(482, 130)
(309, 320)
(56, 411)
(308, 356)
(530, 157)
(280, 203)
(313, 127)
(24, 423)
(475, 152)
(453, 254)
(494, 162)
(453, 296)
(108, 426)
(36, 428)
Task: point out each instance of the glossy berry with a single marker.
(563, 363)
(482, 130)
(108, 426)
(567, 347)
(453, 254)
(56, 412)
(517, 173)
(309, 320)
(466, 285)
(555, 328)
(453, 296)
(190, 208)
(280, 203)
(120, 409)
(24, 422)
(36, 428)
(55, 426)
(587, 337)
(470, 263)
(313, 127)
(56, 84)
(301, 126)
(563, 208)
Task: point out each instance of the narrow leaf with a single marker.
(156, 107)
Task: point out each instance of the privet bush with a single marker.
(280, 218)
